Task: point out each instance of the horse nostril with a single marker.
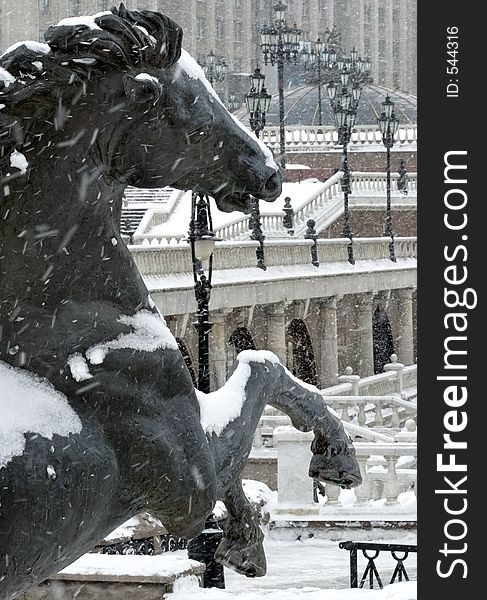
(273, 183)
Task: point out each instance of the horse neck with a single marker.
(58, 230)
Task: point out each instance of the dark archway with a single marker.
(303, 363)
(382, 339)
(187, 359)
(241, 339)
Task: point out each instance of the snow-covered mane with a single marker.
(33, 75)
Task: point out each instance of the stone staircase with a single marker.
(136, 202)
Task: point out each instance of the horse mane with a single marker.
(35, 75)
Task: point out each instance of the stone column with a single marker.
(276, 330)
(294, 486)
(404, 334)
(218, 353)
(328, 360)
(365, 347)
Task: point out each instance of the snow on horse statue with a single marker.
(99, 419)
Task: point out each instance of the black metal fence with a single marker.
(399, 553)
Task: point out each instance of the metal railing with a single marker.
(371, 571)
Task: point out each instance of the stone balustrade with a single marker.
(397, 379)
(315, 138)
(324, 207)
(175, 259)
(371, 408)
(387, 470)
(372, 411)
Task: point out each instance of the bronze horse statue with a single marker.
(99, 419)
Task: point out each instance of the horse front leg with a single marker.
(241, 548)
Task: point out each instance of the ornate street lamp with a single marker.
(388, 126)
(344, 100)
(318, 57)
(202, 241)
(233, 104)
(258, 103)
(215, 68)
(280, 45)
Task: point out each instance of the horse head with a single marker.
(334, 459)
(142, 107)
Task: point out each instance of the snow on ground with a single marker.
(177, 223)
(311, 569)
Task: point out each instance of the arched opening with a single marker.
(240, 340)
(302, 359)
(382, 339)
(187, 359)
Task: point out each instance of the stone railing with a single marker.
(372, 408)
(387, 469)
(324, 207)
(314, 138)
(396, 379)
(175, 259)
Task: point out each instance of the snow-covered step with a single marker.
(158, 195)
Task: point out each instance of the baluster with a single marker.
(363, 491)
(362, 419)
(396, 421)
(345, 416)
(379, 417)
(332, 493)
(258, 436)
(391, 487)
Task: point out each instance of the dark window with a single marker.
(220, 29)
(44, 7)
(237, 31)
(200, 27)
(74, 7)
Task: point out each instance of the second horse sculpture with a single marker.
(99, 419)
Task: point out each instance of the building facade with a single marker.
(385, 30)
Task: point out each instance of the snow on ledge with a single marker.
(136, 569)
(30, 405)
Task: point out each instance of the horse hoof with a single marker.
(248, 560)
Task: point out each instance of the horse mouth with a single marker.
(344, 480)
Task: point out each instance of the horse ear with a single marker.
(142, 89)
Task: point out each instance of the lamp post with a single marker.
(344, 99)
(280, 45)
(202, 241)
(233, 103)
(319, 57)
(258, 103)
(388, 126)
(215, 68)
